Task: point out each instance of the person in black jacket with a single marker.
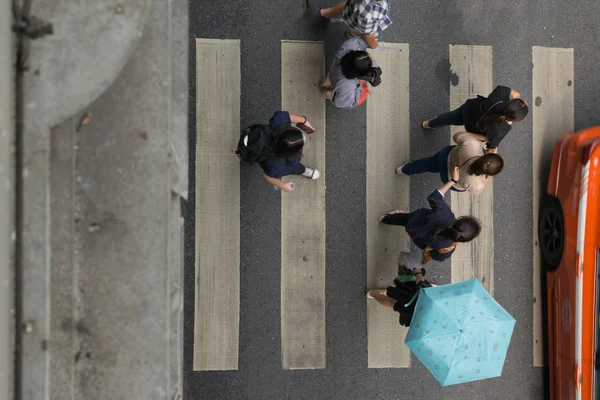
(490, 118)
(403, 295)
(436, 231)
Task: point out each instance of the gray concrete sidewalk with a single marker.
(102, 228)
(7, 220)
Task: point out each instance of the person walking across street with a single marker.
(277, 148)
(435, 230)
(364, 18)
(403, 295)
(489, 119)
(351, 69)
(468, 156)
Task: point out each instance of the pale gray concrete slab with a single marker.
(303, 215)
(553, 109)
(472, 65)
(91, 44)
(178, 44)
(388, 145)
(102, 238)
(7, 202)
(63, 338)
(217, 313)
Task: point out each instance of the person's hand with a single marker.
(309, 125)
(492, 150)
(514, 94)
(288, 186)
(456, 173)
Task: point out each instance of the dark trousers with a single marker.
(397, 219)
(298, 169)
(437, 163)
(454, 117)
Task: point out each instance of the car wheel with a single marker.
(551, 232)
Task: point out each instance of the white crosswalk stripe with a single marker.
(217, 315)
(303, 216)
(473, 66)
(386, 148)
(553, 116)
(303, 230)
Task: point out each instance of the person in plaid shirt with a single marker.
(365, 18)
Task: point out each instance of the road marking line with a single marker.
(303, 215)
(388, 145)
(217, 301)
(553, 116)
(473, 66)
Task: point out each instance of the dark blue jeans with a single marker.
(437, 163)
(454, 117)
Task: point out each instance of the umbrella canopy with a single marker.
(460, 332)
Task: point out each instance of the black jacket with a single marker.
(473, 109)
(425, 222)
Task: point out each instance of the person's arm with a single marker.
(496, 135)
(460, 137)
(300, 119)
(371, 40)
(455, 175)
(500, 93)
(481, 138)
(285, 186)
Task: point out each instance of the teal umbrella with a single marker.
(460, 332)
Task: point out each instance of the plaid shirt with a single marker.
(367, 16)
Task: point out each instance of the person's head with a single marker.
(509, 111)
(289, 143)
(490, 164)
(356, 64)
(462, 230)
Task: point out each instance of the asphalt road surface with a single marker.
(429, 27)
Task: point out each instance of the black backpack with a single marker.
(255, 144)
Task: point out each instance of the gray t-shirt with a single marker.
(346, 92)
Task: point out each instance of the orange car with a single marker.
(569, 238)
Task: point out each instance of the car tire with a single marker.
(551, 232)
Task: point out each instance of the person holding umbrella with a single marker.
(489, 119)
(401, 296)
(436, 230)
(365, 18)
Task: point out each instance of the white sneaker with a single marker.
(399, 170)
(311, 173)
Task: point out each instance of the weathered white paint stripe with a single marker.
(303, 215)
(473, 66)
(553, 115)
(216, 328)
(388, 144)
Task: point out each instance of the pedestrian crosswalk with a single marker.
(553, 116)
(387, 146)
(217, 316)
(303, 224)
(303, 216)
(473, 66)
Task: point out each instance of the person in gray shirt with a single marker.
(351, 69)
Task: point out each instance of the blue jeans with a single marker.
(454, 117)
(437, 163)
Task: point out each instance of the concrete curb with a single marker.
(7, 201)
